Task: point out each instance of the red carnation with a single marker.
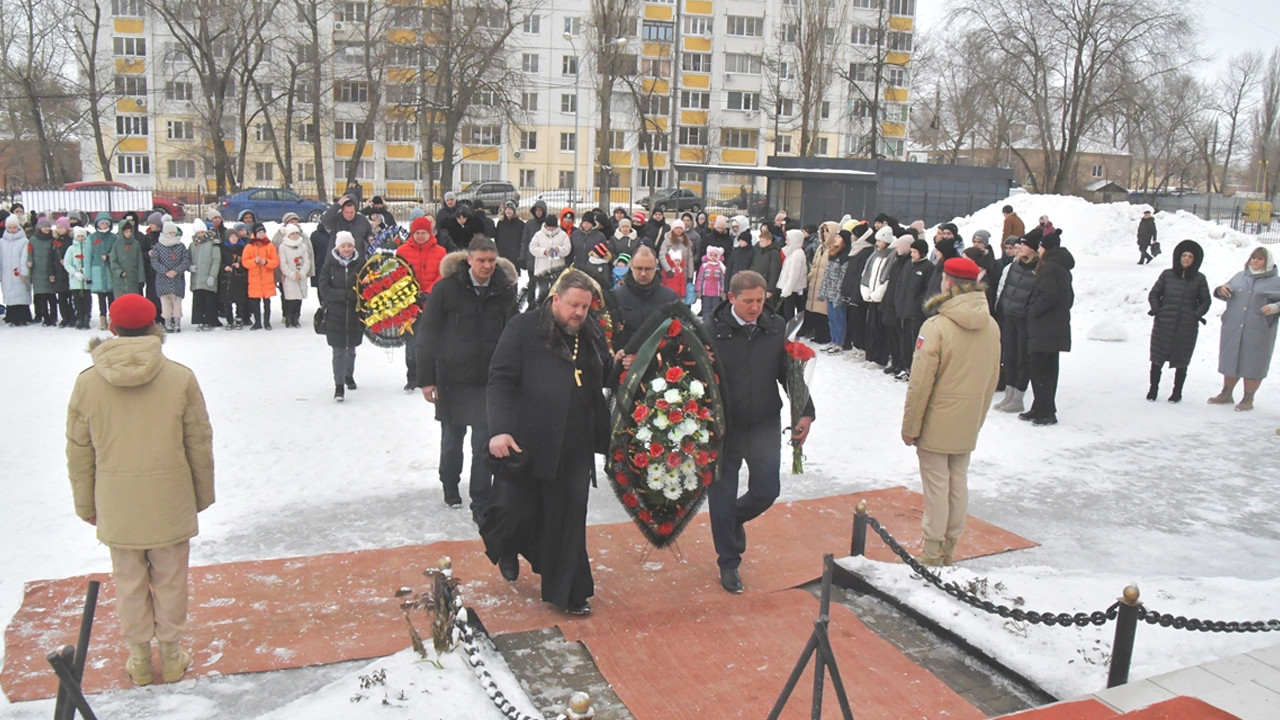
(704, 413)
(800, 351)
(665, 528)
(707, 477)
(642, 412)
(641, 460)
(645, 516)
(691, 407)
(619, 455)
(656, 449)
(702, 458)
(675, 416)
(675, 328)
(673, 460)
(688, 447)
(674, 374)
(630, 500)
(621, 479)
(662, 405)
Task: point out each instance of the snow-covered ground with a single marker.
(1121, 487)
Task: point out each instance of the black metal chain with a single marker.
(1079, 619)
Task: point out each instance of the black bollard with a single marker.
(859, 545)
(1122, 646)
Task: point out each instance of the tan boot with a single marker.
(139, 663)
(931, 556)
(1246, 403)
(102, 322)
(949, 552)
(174, 661)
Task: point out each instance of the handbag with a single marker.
(512, 468)
(689, 294)
(1155, 248)
(317, 320)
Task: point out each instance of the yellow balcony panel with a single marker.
(132, 145)
(692, 155)
(899, 22)
(620, 196)
(659, 160)
(437, 153)
(897, 58)
(694, 186)
(398, 36)
(697, 7)
(657, 123)
(480, 153)
(697, 44)
(735, 156)
(401, 75)
(895, 94)
(399, 113)
(131, 105)
(659, 12)
(128, 26)
(695, 80)
(654, 86)
(211, 184)
(131, 66)
(656, 49)
(893, 130)
(618, 158)
(401, 152)
(693, 117)
(401, 190)
(344, 150)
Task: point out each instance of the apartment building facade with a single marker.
(714, 80)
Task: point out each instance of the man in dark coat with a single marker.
(448, 209)
(508, 234)
(343, 328)
(1179, 301)
(343, 217)
(531, 227)
(592, 251)
(861, 248)
(1048, 327)
(319, 245)
(469, 307)
(639, 295)
(982, 255)
(460, 228)
(749, 340)
(1146, 236)
(1015, 297)
(546, 404)
(654, 230)
(378, 207)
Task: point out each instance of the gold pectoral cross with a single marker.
(577, 376)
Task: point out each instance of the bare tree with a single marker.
(1266, 126)
(31, 63)
(1162, 126)
(812, 36)
(311, 89)
(611, 23)
(1233, 96)
(91, 28)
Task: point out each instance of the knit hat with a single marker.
(259, 228)
(132, 312)
(551, 221)
(1031, 241)
(211, 214)
(625, 258)
(962, 268)
(43, 223)
(1052, 241)
(80, 231)
(416, 213)
(198, 226)
(156, 219)
(981, 236)
(170, 229)
(847, 235)
(918, 225)
(849, 225)
(714, 251)
(902, 245)
(343, 238)
(638, 218)
(722, 222)
(14, 222)
(885, 234)
(62, 222)
(509, 204)
(463, 211)
(921, 247)
(421, 223)
(450, 196)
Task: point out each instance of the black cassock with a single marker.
(534, 396)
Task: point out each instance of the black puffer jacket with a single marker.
(337, 287)
(1179, 299)
(852, 286)
(897, 278)
(510, 233)
(909, 293)
(1019, 279)
(1049, 310)
(636, 303)
(1147, 231)
(738, 258)
(754, 367)
(768, 262)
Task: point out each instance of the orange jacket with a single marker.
(425, 259)
(262, 278)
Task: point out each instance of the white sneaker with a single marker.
(858, 354)
(834, 350)
(872, 365)
(826, 347)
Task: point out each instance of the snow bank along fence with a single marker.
(1127, 611)
(90, 201)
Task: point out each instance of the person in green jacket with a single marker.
(100, 244)
(76, 262)
(127, 263)
(43, 260)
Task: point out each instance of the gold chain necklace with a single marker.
(577, 374)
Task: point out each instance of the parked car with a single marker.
(271, 204)
(677, 199)
(158, 204)
(557, 200)
(488, 195)
(754, 204)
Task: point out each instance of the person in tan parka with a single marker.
(954, 372)
(140, 459)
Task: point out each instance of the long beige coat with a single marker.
(953, 374)
(139, 445)
(818, 268)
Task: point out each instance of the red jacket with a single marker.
(425, 259)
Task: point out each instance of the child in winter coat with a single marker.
(621, 265)
(794, 275)
(127, 263)
(260, 261)
(676, 256)
(233, 281)
(100, 244)
(711, 283)
(76, 262)
(171, 260)
(206, 264)
(42, 258)
(15, 273)
(295, 268)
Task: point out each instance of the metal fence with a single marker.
(1226, 210)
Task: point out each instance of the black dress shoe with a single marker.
(730, 581)
(452, 497)
(1044, 421)
(509, 566)
(582, 608)
(740, 538)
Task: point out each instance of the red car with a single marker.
(158, 204)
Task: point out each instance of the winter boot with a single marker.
(931, 556)
(177, 325)
(949, 552)
(1224, 397)
(139, 663)
(452, 497)
(266, 322)
(174, 661)
(257, 320)
(351, 383)
(339, 393)
(102, 322)
(1015, 404)
(1008, 395)
(1246, 403)
(1179, 377)
(1154, 390)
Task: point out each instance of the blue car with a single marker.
(271, 204)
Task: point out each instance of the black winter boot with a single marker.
(1155, 382)
(1179, 377)
(339, 393)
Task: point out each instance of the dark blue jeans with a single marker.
(451, 439)
(760, 446)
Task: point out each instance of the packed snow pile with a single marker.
(1071, 661)
(1108, 331)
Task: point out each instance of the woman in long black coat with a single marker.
(343, 328)
(1179, 301)
(1048, 327)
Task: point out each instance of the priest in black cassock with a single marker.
(548, 417)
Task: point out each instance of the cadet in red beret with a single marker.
(131, 312)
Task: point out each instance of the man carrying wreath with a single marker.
(749, 339)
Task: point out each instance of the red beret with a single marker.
(422, 223)
(962, 268)
(132, 312)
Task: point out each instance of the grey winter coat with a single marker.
(206, 262)
(1248, 336)
(175, 257)
(1179, 299)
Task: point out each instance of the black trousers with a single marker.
(1043, 367)
(908, 331)
(204, 308)
(876, 343)
(104, 302)
(856, 326)
(82, 304)
(816, 326)
(893, 344)
(1013, 353)
(452, 438)
(47, 308)
(760, 447)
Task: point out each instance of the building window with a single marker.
(865, 4)
(861, 72)
(481, 172)
(739, 63)
(364, 169)
(790, 33)
(782, 145)
(573, 26)
(569, 103)
(824, 110)
(568, 179)
(345, 130)
(659, 105)
(490, 135)
(175, 90)
(304, 92)
(405, 94)
(401, 132)
(820, 146)
(532, 25)
(617, 140)
(861, 108)
(353, 92)
(785, 108)
(182, 169)
(307, 133)
(133, 164)
(690, 177)
(896, 77)
(306, 172)
(181, 130)
(1098, 171)
(656, 68)
(131, 125)
(902, 7)
(264, 171)
(402, 55)
(690, 100)
(786, 71)
(487, 98)
(745, 26)
(695, 62)
(653, 178)
(568, 142)
(863, 35)
(744, 101)
(899, 41)
(528, 178)
(403, 170)
(661, 142)
(529, 62)
(698, 26)
(655, 31)
(693, 135)
(127, 8)
(529, 101)
(262, 132)
(569, 65)
(736, 138)
(129, 47)
(528, 139)
(352, 12)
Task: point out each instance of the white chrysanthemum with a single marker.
(658, 385)
(654, 484)
(690, 484)
(689, 426)
(702, 436)
(675, 434)
(672, 396)
(661, 422)
(697, 389)
(672, 493)
(644, 434)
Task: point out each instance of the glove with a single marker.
(351, 294)
(79, 276)
(210, 282)
(1152, 313)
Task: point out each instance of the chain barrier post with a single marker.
(859, 545)
(579, 707)
(1126, 628)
